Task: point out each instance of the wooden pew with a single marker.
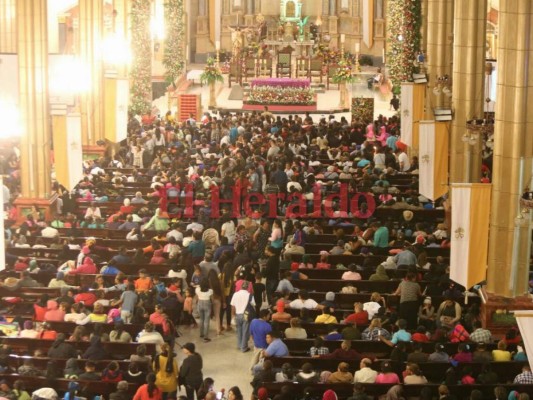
(344, 390)
(301, 346)
(335, 285)
(33, 383)
(15, 361)
(25, 345)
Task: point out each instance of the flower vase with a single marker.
(212, 95)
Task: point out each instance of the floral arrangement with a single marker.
(281, 95)
(224, 67)
(363, 109)
(344, 73)
(174, 57)
(335, 56)
(211, 74)
(403, 38)
(141, 69)
(283, 82)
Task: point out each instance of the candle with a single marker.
(383, 55)
(187, 53)
(357, 47)
(217, 45)
(343, 37)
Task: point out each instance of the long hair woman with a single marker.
(148, 391)
(166, 368)
(217, 299)
(205, 295)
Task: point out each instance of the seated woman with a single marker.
(326, 317)
(323, 262)
(351, 274)
(413, 375)
(342, 375)
(386, 375)
(295, 331)
(307, 374)
(501, 354)
(98, 315)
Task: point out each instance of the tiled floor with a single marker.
(222, 361)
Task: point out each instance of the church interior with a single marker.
(388, 138)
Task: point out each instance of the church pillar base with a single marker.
(24, 205)
(496, 312)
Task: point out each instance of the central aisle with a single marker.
(222, 361)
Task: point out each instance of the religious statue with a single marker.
(262, 28)
(237, 35)
(289, 33)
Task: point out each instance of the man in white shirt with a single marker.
(365, 373)
(176, 234)
(303, 301)
(195, 227)
(49, 232)
(403, 161)
(239, 302)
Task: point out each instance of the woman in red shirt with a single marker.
(149, 390)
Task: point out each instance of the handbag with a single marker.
(249, 312)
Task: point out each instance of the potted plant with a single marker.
(210, 76)
(344, 76)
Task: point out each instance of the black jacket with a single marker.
(191, 371)
(62, 350)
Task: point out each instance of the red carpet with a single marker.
(279, 107)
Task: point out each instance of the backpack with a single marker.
(249, 312)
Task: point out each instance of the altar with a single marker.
(303, 48)
(280, 94)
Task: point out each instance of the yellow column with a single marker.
(33, 89)
(91, 16)
(8, 27)
(513, 139)
(468, 85)
(439, 49)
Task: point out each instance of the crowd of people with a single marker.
(241, 270)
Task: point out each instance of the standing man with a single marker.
(271, 272)
(239, 301)
(259, 328)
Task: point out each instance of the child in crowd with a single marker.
(187, 309)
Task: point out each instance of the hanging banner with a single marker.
(524, 320)
(470, 232)
(433, 159)
(75, 150)
(121, 111)
(407, 114)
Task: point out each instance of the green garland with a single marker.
(141, 70)
(174, 57)
(404, 19)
